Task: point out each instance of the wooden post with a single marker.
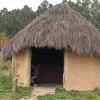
(14, 85)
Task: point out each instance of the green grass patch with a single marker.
(6, 85)
(6, 90)
(72, 95)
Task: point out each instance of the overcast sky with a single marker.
(13, 4)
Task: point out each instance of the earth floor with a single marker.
(42, 90)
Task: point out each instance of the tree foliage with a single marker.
(13, 21)
(43, 7)
(3, 39)
(89, 9)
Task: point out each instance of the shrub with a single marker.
(59, 89)
(5, 65)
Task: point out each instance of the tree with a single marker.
(89, 9)
(13, 21)
(95, 13)
(43, 7)
(3, 11)
(3, 39)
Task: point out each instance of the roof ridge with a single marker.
(64, 0)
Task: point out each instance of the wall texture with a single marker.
(22, 64)
(81, 72)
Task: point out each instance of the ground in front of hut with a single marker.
(42, 90)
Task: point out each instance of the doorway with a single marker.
(51, 62)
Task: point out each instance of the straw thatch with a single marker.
(59, 27)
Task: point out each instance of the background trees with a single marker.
(13, 21)
(3, 39)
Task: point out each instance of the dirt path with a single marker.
(42, 90)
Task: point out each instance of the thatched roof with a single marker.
(59, 27)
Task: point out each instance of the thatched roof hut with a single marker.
(59, 27)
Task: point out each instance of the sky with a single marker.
(15, 4)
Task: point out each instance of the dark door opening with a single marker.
(50, 63)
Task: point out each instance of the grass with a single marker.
(6, 85)
(72, 95)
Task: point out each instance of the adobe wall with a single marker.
(22, 64)
(81, 72)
